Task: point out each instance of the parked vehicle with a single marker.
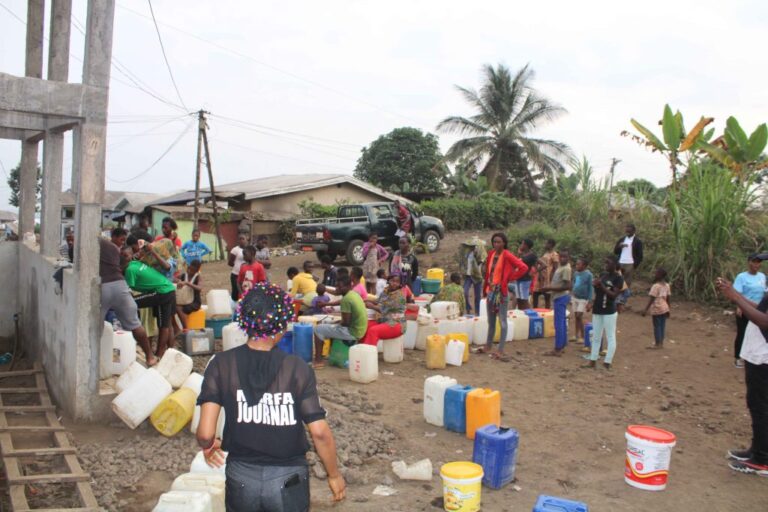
(346, 233)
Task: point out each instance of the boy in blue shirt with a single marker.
(581, 295)
(194, 249)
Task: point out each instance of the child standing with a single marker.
(582, 294)
(381, 281)
(374, 257)
(658, 305)
(251, 271)
(560, 288)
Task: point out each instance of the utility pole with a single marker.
(614, 162)
(200, 130)
(202, 145)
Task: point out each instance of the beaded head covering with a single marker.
(264, 311)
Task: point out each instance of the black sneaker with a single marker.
(740, 455)
(749, 467)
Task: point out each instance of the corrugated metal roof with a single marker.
(116, 200)
(6, 216)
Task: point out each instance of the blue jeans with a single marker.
(255, 488)
(607, 324)
(560, 306)
(659, 326)
(502, 315)
(470, 284)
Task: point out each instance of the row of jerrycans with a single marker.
(461, 409)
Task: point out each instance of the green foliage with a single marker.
(499, 134)
(739, 153)
(311, 210)
(490, 212)
(14, 185)
(286, 231)
(405, 158)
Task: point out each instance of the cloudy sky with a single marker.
(300, 87)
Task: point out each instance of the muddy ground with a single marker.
(571, 422)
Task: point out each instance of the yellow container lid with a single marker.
(461, 470)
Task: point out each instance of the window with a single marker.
(382, 211)
(352, 211)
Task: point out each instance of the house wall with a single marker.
(288, 204)
(229, 231)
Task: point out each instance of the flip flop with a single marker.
(318, 365)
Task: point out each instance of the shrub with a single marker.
(486, 212)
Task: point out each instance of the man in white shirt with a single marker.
(236, 261)
(754, 352)
(629, 250)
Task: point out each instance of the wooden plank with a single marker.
(20, 373)
(49, 478)
(32, 428)
(18, 497)
(27, 408)
(29, 391)
(82, 509)
(40, 452)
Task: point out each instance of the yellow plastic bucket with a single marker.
(461, 486)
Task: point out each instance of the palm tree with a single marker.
(508, 109)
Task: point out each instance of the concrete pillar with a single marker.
(53, 150)
(91, 139)
(33, 68)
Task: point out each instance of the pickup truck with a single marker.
(353, 224)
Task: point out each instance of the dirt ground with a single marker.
(571, 421)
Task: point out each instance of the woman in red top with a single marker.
(501, 267)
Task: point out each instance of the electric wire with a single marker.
(165, 56)
(226, 142)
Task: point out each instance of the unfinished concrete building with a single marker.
(61, 330)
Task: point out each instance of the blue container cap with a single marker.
(530, 312)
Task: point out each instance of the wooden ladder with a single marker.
(17, 481)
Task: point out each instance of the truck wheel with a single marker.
(432, 240)
(355, 252)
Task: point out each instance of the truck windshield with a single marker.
(352, 211)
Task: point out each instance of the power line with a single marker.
(165, 56)
(13, 14)
(279, 155)
(168, 150)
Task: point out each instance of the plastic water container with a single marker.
(446, 326)
(194, 382)
(363, 363)
(461, 336)
(436, 273)
(496, 450)
(219, 304)
(394, 349)
(129, 376)
(232, 336)
(411, 331)
(200, 467)
(442, 310)
(480, 330)
(465, 324)
(434, 398)
(175, 367)
(200, 342)
(105, 351)
(536, 327)
(483, 408)
(218, 324)
(308, 319)
(286, 342)
(455, 408)
(454, 352)
(339, 354)
(649, 451)
(436, 352)
(212, 483)
(424, 332)
(303, 341)
(220, 421)
(549, 324)
(123, 351)
(431, 285)
(461, 486)
(519, 324)
(416, 287)
(135, 404)
(174, 412)
(483, 308)
(196, 319)
(588, 330)
(184, 501)
(552, 504)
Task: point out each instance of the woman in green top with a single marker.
(391, 305)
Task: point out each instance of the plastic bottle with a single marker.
(435, 356)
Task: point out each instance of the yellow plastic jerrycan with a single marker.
(326, 348)
(549, 324)
(461, 336)
(174, 412)
(436, 351)
(483, 408)
(436, 273)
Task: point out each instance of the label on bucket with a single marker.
(647, 466)
(461, 498)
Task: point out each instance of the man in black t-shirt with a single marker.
(522, 287)
(604, 314)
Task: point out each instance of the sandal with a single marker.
(318, 365)
(554, 353)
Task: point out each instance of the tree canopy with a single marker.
(14, 185)
(403, 160)
(507, 109)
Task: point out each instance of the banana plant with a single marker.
(674, 139)
(739, 153)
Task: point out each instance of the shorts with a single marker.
(117, 297)
(579, 305)
(190, 308)
(163, 306)
(521, 289)
(333, 331)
